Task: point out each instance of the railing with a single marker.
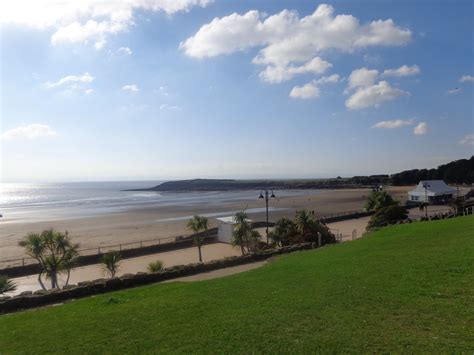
(23, 261)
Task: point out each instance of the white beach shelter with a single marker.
(436, 191)
(225, 227)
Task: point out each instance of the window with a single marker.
(414, 198)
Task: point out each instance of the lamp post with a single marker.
(266, 196)
(425, 186)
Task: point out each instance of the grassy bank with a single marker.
(405, 288)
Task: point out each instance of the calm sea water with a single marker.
(69, 200)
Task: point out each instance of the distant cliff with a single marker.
(233, 185)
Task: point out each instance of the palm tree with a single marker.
(6, 285)
(304, 220)
(111, 261)
(241, 231)
(196, 224)
(54, 251)
(379, 199)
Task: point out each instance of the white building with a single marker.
(225, 228)
(436, 192)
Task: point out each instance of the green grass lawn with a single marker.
(407, 288)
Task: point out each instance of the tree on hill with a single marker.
(54, 252)
(111, 262)
(379, 199)
(456, 172)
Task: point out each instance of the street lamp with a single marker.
(266, 197)
(425, 186)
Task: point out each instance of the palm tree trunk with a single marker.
(41, 281)
(200, 255)
(68, 276)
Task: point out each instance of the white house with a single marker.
(225, 228)
(436, 192)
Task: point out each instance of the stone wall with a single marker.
(88, 288)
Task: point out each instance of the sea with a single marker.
(52, 201)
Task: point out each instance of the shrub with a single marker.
(378, 200)
(387, 215)
(155, 266)
(6, 285)
(111, 261)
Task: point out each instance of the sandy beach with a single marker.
(155, 222)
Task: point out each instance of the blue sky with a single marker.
(153, 89)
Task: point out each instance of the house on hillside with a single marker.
(431, 191)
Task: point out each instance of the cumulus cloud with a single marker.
(85, 21)
(373, 95)
(30, 131)
(307, 91)
(420, 129)
(468, 139)
(285, 39)
(276, 74)
(131, 87)
(465, 78)
(404, 70)
(362, 77)
(393, 124)
(70, 79)
(124, 50)
(311, 90)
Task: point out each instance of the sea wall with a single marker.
(88, 288)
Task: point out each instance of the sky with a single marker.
(159, 89)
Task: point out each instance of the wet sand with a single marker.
(164, 221)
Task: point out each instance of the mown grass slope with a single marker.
(404, 288)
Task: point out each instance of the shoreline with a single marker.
(155, 222)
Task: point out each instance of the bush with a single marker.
(155, 266)
(378, 200)
(6, 285)
(387, 215)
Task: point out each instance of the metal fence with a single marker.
(22, 261)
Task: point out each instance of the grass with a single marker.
(407, 288)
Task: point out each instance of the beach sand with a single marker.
(164, 221)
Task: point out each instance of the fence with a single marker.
(128, 249)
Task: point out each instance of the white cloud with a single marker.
(454, 91)
(286, 39)
(125, 50)
(276, 74)
(131, 87)
(362, 77)
(85, 21)
(70, 80)
(465, 78)
(311, 90)
(393, 124)
(30, 131)
(404, 70)
(169, 107)
(373, 95)
(89, 91)
(468, 139)
(307, 91)
(420, 129)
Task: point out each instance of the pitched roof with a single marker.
(435, 187)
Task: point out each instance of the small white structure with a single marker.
(436, 192)
(225, 228)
